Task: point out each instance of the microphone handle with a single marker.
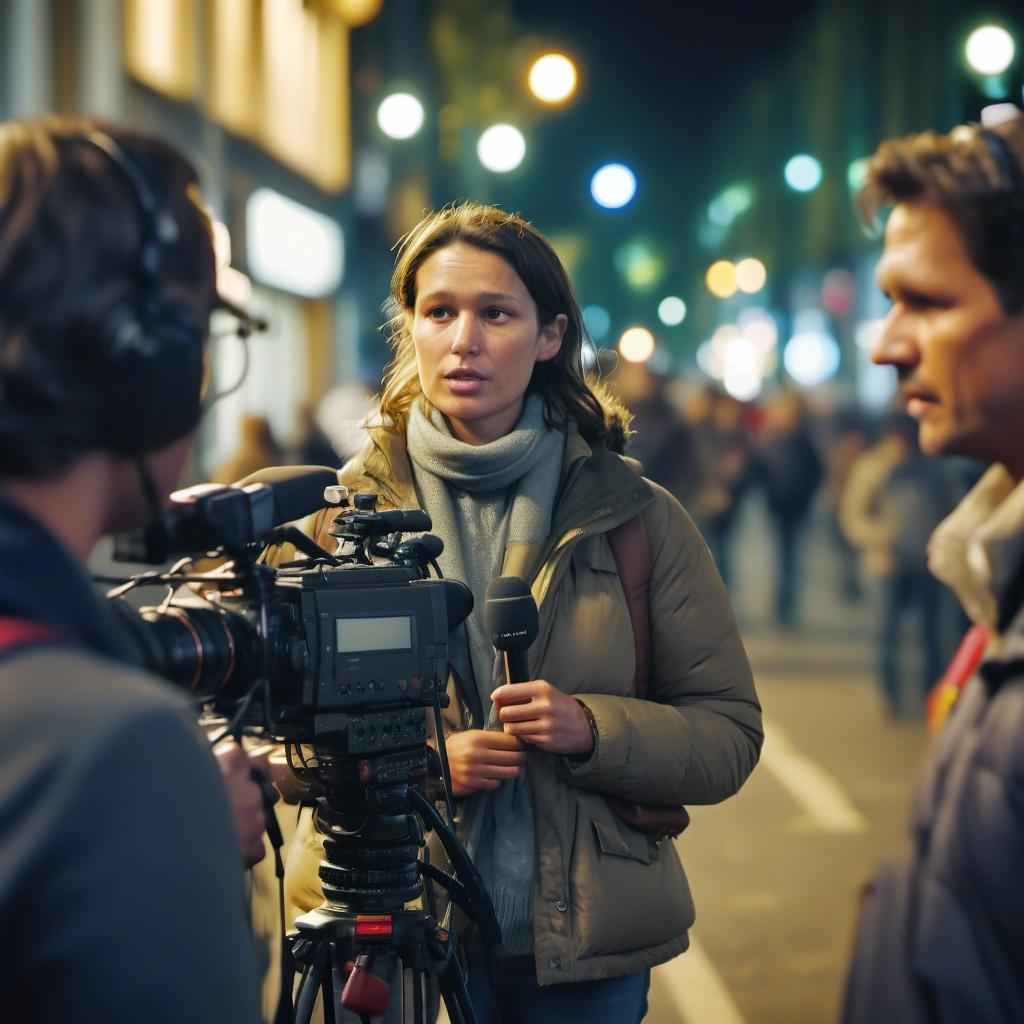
(517, 668)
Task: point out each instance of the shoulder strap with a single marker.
(632, 552)
(16, 634)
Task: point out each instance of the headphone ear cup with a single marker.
(152, 375)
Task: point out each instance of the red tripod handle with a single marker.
(364, 992)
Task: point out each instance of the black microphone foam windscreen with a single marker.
(510, 614)
(298, 491)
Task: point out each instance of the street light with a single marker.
(671, 310)
(613, 186)
(552, 78)
(501, 148)
(636, 345)
(989, 50)
(750, 275)
(400, 115)
(803, 173)
(721, 279)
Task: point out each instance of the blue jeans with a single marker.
(512, 996)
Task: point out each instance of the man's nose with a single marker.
(895, 344)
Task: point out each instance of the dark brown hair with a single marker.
(978, 181)
(70, 240)
(559, 381)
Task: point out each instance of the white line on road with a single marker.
(693, 990)
(809, 784)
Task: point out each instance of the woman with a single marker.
(489, 425)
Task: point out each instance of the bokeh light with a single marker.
(721, 279)
(598, 322)
(838, 290)
(750, 275)
(671, 310)
(803, 173)
(990, 50)
(639, 264)
(811, 358)
(501, 148)
(400, 115)
(636, 345)
(857, 172)
(613, 186)
(553, 78)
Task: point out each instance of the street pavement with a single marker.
(775, 870)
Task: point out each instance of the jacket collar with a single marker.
(978, 549)
(44, 583)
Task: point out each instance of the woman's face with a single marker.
(475, 331)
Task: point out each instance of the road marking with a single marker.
(692, 990)
(809, 784)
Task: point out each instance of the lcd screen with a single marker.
(380, 633)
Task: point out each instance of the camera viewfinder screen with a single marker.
(380, 633)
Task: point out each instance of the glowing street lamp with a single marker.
(990, 50)
(803, 173)
(721, 279)
(400, 115)
(552, 78)
(671, 310)
(636, 345)
(750, 275)
(501, 148)
(613, 186)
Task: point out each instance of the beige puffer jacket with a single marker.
(608, 900)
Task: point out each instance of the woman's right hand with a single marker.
(483, 759)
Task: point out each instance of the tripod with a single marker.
(369, 874)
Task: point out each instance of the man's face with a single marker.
(959, 356)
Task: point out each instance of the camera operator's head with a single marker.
(953, 266)
(107, 280)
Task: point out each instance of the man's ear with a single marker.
(551, 335)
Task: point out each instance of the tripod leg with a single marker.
(305, 1000)
(456, 995)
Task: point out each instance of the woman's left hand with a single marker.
(542, 715)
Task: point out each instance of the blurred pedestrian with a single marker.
(257, 449)
(660, 440)
(894, 498)
(848, 441)
(724, 444)
(788, 467)
(941, 936)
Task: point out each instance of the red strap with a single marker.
(632, 553)
(16, 633)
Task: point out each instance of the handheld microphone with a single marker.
(510, 618)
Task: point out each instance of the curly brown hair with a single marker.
(560, 381)
(973, 173)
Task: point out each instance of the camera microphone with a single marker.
(209, 517)
(510, 618)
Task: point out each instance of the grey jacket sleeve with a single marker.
(140, 915)
(698, 735)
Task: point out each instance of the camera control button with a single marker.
(561, 906)
(555, 963)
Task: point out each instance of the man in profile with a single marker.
(942, 937)
(121, 893)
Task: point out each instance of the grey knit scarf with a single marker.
(481, 498)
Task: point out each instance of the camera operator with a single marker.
(120, 874)
(941, 936)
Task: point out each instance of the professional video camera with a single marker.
(338, 656)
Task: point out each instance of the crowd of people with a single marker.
(123, 836)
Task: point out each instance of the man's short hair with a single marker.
(977, 180)
(70, 237)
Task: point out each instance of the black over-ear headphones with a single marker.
(151, 347)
